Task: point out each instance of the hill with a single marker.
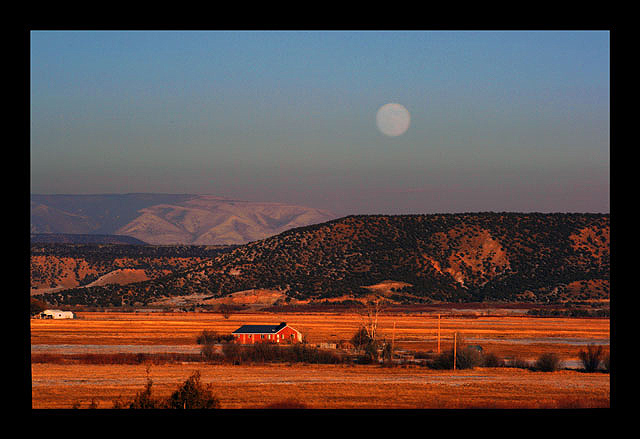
(474, 257)
(61, 266)
(168, 219)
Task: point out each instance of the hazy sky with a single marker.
(500, 121)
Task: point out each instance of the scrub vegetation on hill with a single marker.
(470, 257)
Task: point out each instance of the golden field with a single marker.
(325, 386)
(329, 386)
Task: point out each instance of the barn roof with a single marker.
(259, 329)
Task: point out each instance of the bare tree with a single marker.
(592, 357)
(370, 317)
(369, 325)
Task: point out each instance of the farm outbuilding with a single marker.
(282, 333)
(56, 314)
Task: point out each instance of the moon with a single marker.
(393, 119)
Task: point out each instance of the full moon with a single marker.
(393, 119)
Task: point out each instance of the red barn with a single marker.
(282, 333)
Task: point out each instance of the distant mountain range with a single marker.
(474, 257)
(166, 219)
(77, 238)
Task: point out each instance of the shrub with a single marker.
(271, 353)
(143, 399)
(519, 363)
(387, 354)
(361, 339)
(443, 360)
(114, 358)
(370, 352)
(549, 362)
(233, 353)
(207, 337)
(591, 358)
(212, 337)
(492, 360)
(299, 353)
(119, 403)
(466, 358)
(209, 353)
(263, 352)
(193, 395)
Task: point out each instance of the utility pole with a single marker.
(438, 333)
(455, 334)
(393, 337)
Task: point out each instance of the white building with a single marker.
(56, 314)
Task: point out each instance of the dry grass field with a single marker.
(329, 386)
(325, 386)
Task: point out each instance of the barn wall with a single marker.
(286, 335)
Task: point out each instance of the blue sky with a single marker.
(500, 121)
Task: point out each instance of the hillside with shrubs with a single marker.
(469, 257)
(59, 265)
